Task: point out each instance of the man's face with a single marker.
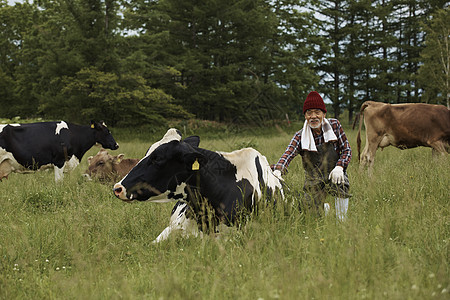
(314, 117)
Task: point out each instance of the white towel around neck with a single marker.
(307, 140)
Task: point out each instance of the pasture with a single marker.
(75, 240)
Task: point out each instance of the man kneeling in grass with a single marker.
(326, 153)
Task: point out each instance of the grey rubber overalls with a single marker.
(318, 166)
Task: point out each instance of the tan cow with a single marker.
(106, 167)
(403, 126)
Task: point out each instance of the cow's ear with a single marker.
(194, 160)
(194, 140)
(118, 158)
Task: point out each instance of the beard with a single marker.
(316, 125)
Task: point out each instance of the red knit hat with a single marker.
(313, 100)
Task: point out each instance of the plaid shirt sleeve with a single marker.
(343, 146)
(291, 151)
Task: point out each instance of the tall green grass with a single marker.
(75, 240)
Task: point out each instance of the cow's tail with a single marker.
(361, 120)
(356, 120)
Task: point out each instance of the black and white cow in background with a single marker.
(178, 170)
(61, 144)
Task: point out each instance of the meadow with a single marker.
(75, 240)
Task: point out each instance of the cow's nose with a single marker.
(119, 191)
(116, 146)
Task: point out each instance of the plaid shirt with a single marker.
(342, 147)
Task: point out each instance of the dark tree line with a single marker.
(146, 61)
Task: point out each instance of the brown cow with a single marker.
(403, 126)
(106, 167)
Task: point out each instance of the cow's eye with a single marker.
(100, 163)
(157, 160)
(154, 160)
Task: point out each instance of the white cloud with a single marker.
(12, 2)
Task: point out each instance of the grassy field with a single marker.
(75, 240)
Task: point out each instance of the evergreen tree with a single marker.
(332, 65)
(408, 17)
(295, 52)
(386, 42)
(434, 74)
(233, 60)
(17, 54)
(232, 56)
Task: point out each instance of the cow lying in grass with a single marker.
(178, 170)
(109, 168)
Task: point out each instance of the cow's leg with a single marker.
(434, 153)
(5, 169)
(9, 165)
(59, 173)
(439, 148)
(71, 164)
(368, 155)
(363, 161)
(179, 221)
(187, 226)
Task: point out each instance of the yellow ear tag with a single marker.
(118, 160)
(195, 166)
(92, 126)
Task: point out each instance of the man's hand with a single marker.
(277, 174)
(337, 175)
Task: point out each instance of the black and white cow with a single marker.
(178, 170)
(30, 146)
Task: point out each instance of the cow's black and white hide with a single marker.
(61, 144)
(178, 170)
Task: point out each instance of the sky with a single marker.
(11, 2)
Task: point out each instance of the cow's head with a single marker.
(103, 136)
(160, 176)
(101, 166)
